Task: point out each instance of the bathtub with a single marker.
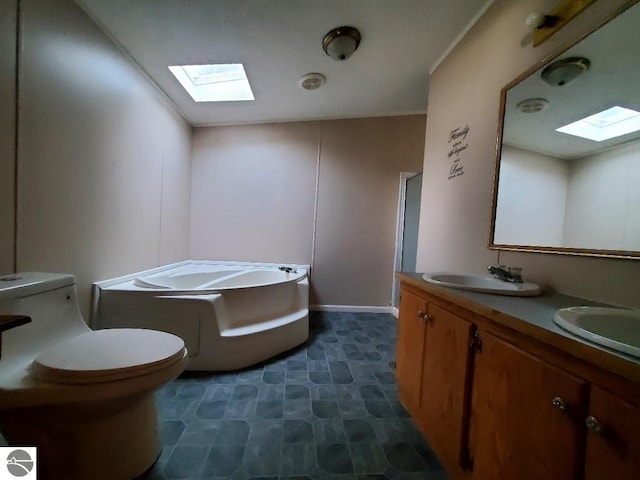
(230, 314)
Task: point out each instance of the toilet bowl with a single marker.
(83, 397)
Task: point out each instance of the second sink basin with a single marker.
(616, 328)
(477, 283)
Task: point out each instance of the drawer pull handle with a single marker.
(559, 403)
(594, 425)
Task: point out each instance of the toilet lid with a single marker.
(107, 355)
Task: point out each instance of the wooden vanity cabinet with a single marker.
(496, 404)
(434, 348)
(410, 350)
(527, 416)
(613, 438)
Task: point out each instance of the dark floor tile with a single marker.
(325, 408)
(334, 458)
(385, 377)
(359, 431)
(329, 430)
(340, 373)
(320, 377)
(186, 462)
(233, 431)
(404, 457)
(273, 376)
(271, 392)
(297, 409)
(296, 365)
(269, 409)
(244, 392)
(297, 376)
(298, 459)
(371, 392)
(262, 458)
(368, 458)
(170, 431)
(297, 431)
(209, 409)
(379, 408)
(223, 460)
(296, 392)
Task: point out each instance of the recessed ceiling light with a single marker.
(214, 83)
(610, 123)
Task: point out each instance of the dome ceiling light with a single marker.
(341, 42)
(565, 71)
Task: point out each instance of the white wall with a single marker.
(532, 194)
(603, 202)
(104, 159)
(319, 193)
(455, 214)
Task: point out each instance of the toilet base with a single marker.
(106, 440)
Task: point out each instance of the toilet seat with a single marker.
(108, 355)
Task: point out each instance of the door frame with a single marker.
(397, 259)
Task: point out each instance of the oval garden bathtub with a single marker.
(230, 315)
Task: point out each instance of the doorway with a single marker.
(407, 230)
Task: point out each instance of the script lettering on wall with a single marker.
(457, 144)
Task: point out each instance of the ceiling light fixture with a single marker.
(565, 71)
(341, 42)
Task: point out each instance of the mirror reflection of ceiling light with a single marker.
(565, 71)
(214, 83)
(613, 122)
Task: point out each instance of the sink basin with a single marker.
(483, 284)
(616, 328)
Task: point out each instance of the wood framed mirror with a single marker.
(559, 192)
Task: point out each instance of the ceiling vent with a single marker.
(312, 81)
(532, 105)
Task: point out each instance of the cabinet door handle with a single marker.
(559, 403)
(594, 425)
(424, 316)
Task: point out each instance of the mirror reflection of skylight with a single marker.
(610, 123)
(214, 83)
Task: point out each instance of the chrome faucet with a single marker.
(288, 269)
(507, 274)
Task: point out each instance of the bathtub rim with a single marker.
(97, 287)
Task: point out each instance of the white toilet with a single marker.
(83, 397)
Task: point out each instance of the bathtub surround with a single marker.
(231, 315)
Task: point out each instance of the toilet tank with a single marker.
(50, 300)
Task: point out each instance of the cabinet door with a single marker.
(613, 440)
(517, 432)
(445, 400)
(410, 347)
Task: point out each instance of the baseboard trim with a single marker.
(351, 308)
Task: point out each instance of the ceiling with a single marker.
(279, 41)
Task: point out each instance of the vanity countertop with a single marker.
(533, 316)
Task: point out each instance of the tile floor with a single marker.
(326, 410)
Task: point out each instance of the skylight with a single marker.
(610, 123)
(214, 83)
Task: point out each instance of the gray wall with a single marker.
(319, 193)
(456, 213)
(104, 159)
